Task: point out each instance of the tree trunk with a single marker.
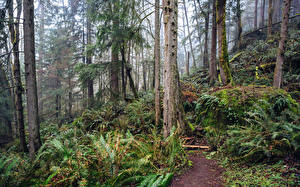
(15, 38)
(123, 72)
(239, 23)
(222, 42)
(189, 34)
(173, 109)
(197, 21)
(276, 10)
(157, 63)
(187, 64)
(41, 57)
(205, 56)
(255, 14)
(90, 84)
(281, 48)
(30, 76)
(128, 73)
(270, 12)
(262, 12)
(213, 52)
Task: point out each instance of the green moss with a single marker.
(232, 105)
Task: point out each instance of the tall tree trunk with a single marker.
(255, 14)
(281, 48)
(270, 12)
(123, 72)
(173, 109)
(222, 42)
(144, 63)
(90, 84)
(15, 38)
(30, 76)
(41, 57)
(276, 10)
(213, 52)
(262, 13)
(187, 64)
(184, 47)
(205, 56)
(239, 23)
(128, 73)
(189, 34)
(197, 21)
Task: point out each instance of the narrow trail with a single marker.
(203, 173)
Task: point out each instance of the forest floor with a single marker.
(202, 173)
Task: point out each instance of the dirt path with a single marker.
(203, 173)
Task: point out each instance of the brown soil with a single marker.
(203, 173)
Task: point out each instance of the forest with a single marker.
(150, 93)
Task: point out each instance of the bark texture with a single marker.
(262, 13)
(157, 63)
(239, 23)
(205, 56)
(270, 12)
(30, 76)
(281, 48)
(222, 43)
(213, 50)
(255, 14)
(15, 38)
(173, 109)
(90, 84)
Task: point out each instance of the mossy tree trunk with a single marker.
(30, 76)
(173, 109)
(222, 42)
(213, 50)
(281, 48)
(270, 12)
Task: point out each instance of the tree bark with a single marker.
(239, 23)
(30, 76)
(222, 42)
(281, 48)
(41, 57)
(173, 109)
(262, 12)
(270, 12)
(255, 14)
(205, 56)
(157, 63)
(90, 84)
(213, 52)
(15, 38)
(187, 64)
(189, 34)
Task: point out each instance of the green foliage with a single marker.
(278, 174)
(250, 123)
(93, 152)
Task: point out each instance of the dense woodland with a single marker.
(135, 92)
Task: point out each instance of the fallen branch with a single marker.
(195, 146)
